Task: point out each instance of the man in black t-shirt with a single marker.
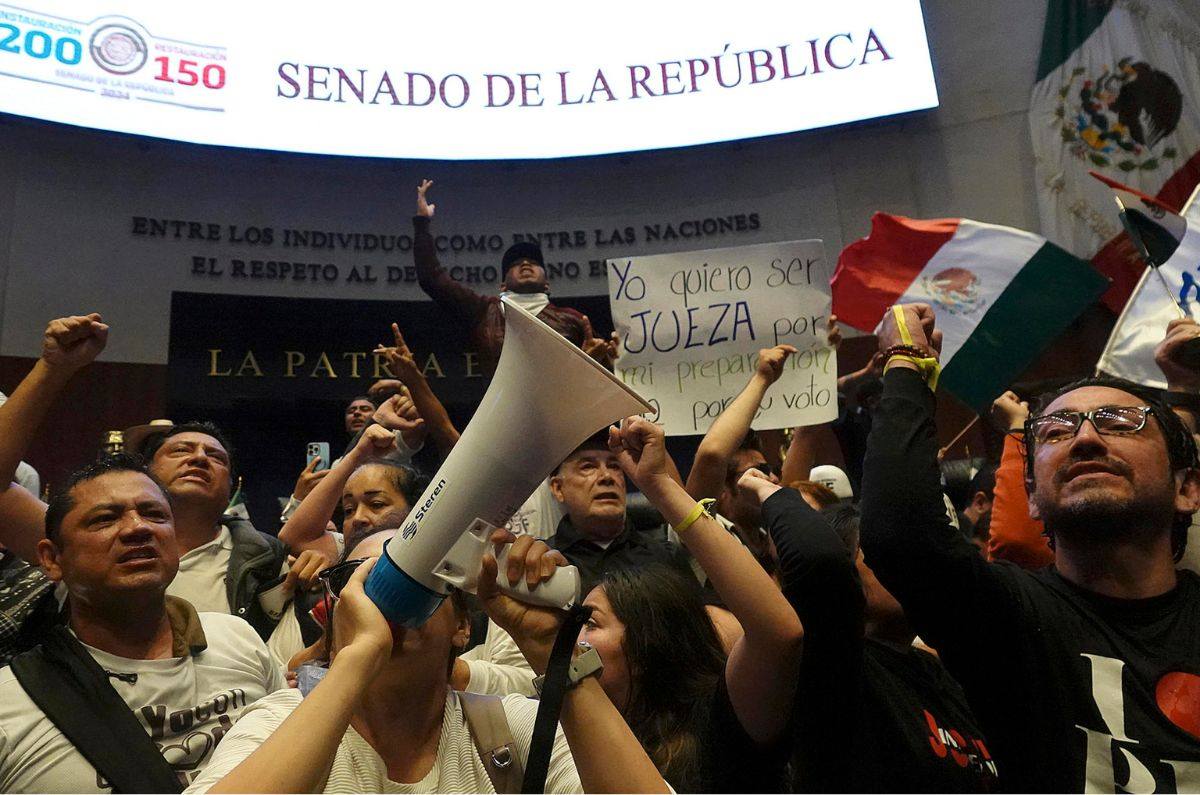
(1085, 676)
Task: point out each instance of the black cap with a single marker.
(526, 249)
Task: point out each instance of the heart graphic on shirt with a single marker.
(1178, 696)
(188, 754)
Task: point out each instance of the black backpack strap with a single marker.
(73, 690)
(553, 691)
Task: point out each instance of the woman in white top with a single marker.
(384, 718)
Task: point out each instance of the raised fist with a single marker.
(771, 361)
(73, 342)
(1171, 356)
(918, 321)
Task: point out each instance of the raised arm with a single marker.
(801, 454)
(1012, 534)
(937, 575)
(762, 667)
(437, 419)
(308, 526)
(297, 756)
(1183, 378)
(69, 344)
(434, 280)
(731, 427)
(817, 575)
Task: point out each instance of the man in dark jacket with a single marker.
(523, 279)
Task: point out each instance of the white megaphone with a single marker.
(546, 398)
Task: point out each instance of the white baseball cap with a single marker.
(834, 479)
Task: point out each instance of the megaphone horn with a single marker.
(546, 398)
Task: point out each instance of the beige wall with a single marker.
(67, 196)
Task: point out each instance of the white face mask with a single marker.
(530, 302)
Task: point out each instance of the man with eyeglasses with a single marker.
(1085, 675)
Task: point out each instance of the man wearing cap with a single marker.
(523, 280)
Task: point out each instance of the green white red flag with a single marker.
(1001, 295)
(1117, 91)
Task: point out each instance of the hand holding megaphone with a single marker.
(515, 555)
(524, 561)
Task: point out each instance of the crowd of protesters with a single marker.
(896, 623)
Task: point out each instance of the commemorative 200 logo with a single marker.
(111, 56)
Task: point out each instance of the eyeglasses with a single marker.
(334, 578)
(1107, 420)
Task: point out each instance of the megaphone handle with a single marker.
(561, 590)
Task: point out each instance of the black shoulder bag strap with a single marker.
(74, 692)
(555, 688)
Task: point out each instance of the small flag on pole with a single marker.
(1169, 289)
(237, 504)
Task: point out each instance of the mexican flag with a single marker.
(1001, 295)
(1118, 91)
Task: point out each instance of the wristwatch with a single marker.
(584, 664)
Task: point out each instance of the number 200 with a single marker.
(38, 44)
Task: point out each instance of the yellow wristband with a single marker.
(901, 326)
(701, 509)
(929, 368)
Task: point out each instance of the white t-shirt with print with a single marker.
(357, 768)
(539, 515)
(186, 704)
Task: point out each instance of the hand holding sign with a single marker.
(695, 326)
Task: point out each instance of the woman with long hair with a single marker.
(711, 723)
(384, 718)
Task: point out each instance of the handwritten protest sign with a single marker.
(692, 324)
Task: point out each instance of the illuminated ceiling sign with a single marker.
(459, 80)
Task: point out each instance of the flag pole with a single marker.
(955, 440)
(1145, 254)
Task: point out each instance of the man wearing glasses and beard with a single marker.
(1085, 675)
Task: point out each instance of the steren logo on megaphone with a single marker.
(410, 529)
(442, 545)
